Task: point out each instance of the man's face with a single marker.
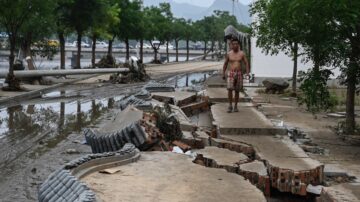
(235, 45)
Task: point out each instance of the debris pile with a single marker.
(107, 61)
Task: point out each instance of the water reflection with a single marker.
(193, 79)
(23, 126)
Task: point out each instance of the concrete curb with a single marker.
(100, 143)
(37, 93)
(64, 184)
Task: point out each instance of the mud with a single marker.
(35, 134)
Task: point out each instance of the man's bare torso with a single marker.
(235, 59)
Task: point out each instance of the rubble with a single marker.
(275, 85)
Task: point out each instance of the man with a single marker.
(234, 75)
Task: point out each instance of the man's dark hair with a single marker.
(235, 39)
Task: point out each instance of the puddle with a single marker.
(190, 80)
(47, 123)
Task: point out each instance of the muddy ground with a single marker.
(45, 133)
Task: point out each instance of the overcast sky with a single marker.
(207, 3)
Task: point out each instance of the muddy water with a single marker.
(189, 80)
(47, 122)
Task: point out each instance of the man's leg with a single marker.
(230, 96)
(236, 101)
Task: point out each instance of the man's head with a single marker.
(235, 44)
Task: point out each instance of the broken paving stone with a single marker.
(256, 173)
(221, 158)
(233, 146)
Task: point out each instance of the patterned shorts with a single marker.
(234, 80)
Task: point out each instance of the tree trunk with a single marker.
(155, 55)
(295, 59)
(187, 50)
(317, 60)
(93, 49)
(177, 50)
(205, 47)
(142, 50)
(26, 46)
(78, 64)
(127, 50)
(62, 49)
(212, 49)
(110, 47)
(10, 79)
(350, 104)
(167, 51)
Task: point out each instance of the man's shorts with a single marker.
(234, 80)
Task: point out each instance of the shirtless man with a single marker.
(234, 74)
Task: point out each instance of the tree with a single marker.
(346, 20)
(276, 30)
(188, 35)
(157, 19)
(130, 20)
(178, 32)
(36, 28)
(108, 15)
(83, 15)
(62, 11)
(14, 15)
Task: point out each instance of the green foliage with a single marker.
(84, 14)
(315, 94)
(44, 49)
(276, 29)
(130, 19)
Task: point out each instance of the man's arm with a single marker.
(247, 65)
(225, 65)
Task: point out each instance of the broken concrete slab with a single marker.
(248, 121)
(333, 170)
(202, 120)
(178, 98)
(221, 158)
(176, 176)
(195, 108)
(340, 193)
(290, 168)
(203, 137)
(221, 95)
(122, 120)
(256, 173)
(185, 122)
(233, 146)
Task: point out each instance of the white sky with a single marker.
(207, 3)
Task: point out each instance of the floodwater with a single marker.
(47, 122)
(190, 80)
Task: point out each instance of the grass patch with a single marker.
(340, 94)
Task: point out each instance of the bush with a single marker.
(315, 94)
